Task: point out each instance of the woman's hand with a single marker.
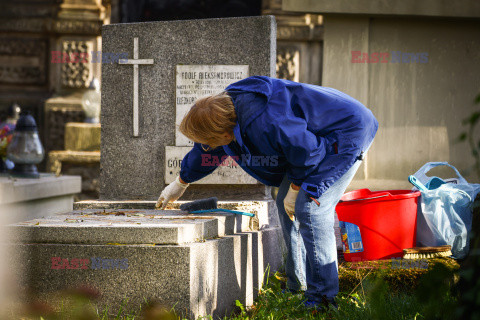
(290, 199)
(171, 193)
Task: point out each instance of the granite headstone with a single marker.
(140, 109)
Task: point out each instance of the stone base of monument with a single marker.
(198, 264)
(24, 199)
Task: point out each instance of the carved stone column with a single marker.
(78, 28)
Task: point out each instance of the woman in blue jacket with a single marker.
(305, 139)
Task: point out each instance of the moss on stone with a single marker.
(400, 274)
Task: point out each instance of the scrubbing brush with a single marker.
(208, 205)
(203, 204)
(427, 252)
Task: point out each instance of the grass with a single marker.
(371, 300)
(272, 304)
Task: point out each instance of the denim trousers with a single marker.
(311, 263)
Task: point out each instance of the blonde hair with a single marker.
(208, 119)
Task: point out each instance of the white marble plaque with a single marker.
(227, 173)
(196, 81)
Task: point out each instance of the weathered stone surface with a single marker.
(133, 167)
(81, 136)
(268, 252)
(436, 8)
(116, 226)
(60, 110)
(17, 190)
(427, 116)
(90, 173)
(266, 212)
(198, 278)
(25, 199)
(56, 159)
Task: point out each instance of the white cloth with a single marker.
(171, 193)
(289, 202)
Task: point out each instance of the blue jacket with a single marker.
(313, 134)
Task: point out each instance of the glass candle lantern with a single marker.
(25, 150)
(91, 102)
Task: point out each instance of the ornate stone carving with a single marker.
(77, 27)
(23, 24)
(300, 33)
(56, 119)
(75, 73)
(23, 61)
(293, 32)
(288, 63)
(272, 5)
(48, 25)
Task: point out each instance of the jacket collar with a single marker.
(237, 134)
(257, 84)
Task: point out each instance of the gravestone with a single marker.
(173, 63)
(119, 245)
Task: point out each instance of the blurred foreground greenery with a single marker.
(441, 292)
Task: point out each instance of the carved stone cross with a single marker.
(135, 62)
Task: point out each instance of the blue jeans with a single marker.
(311, 263)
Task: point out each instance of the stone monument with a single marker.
(199, 264)
(81, 157)
(140, 107)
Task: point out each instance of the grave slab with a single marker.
(266, 212)
(201, 277)
(124, 227)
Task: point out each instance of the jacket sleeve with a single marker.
(302, 149)
(198, 163)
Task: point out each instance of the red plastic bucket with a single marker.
(384, 223)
